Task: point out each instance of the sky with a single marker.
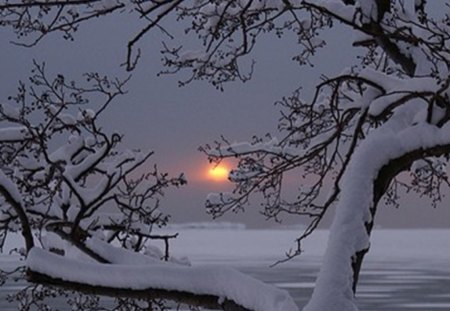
(174, 121)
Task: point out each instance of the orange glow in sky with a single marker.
(219, 173)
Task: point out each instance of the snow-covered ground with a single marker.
(405, 269)
(266, 246)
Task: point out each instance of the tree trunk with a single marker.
(380, 186)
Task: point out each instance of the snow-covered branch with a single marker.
(64, 182)
(212, 287)
(387, 114)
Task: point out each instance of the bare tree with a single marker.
(386, 115)
(86, 211)
(63, 178)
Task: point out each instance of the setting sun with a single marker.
(218, 173)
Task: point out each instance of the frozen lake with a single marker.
(405, 269)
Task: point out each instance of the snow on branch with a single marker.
(371, 164)
(389, 113)
(67, 185)
(318, 138)
(217, 287)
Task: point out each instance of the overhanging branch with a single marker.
(385, 176)
(207, 301)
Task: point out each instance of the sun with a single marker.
(219, 173)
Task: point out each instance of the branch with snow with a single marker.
(213, 287)
(64, 182)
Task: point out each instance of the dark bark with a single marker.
(382, 39)
(391, 48)
(383, 6)
(77, 242)
(24, 222)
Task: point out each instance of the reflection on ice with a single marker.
(404, 277)
(373, 295)
(427, 306)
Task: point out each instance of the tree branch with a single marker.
(206, 301)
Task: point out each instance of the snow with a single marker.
(10, 111)
(348, 234)
(369, 9)
(74, 171)
(89, 195)
(391, 249)
(223, 225)
(427, 247)
(67, 119)
(219, 198)
(117, 255)
(218, 281)
(86, 115)
(10, 187)
(243, 247)
(338, 8)
(122, 256)
(11, 134)
(193, 56)
(64, 153)
(53, 210)
(423, 306)
(404, 132)
(105, 4)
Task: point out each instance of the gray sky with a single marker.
(173, 121)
